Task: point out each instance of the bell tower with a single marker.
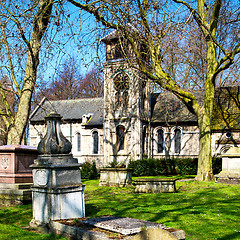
(126, 104)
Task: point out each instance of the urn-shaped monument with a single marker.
(57, 189)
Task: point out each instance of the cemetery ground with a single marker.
(204, 210)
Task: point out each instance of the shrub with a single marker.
(148, 167)
(89, 170)
(166, 166)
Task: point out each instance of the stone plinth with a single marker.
(14, 163)
(155, 185)
(57, 189)
(115, 177)
(230, 166)
(15, 193)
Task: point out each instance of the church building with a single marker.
(131, 123)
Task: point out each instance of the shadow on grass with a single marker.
(235, 235)
(203, 211)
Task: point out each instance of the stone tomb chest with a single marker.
(155, 185)
(14, 163)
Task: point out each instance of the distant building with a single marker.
(130, 123)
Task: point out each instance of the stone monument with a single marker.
(15, 173)
(14, 163)
(57, 189)
(230, 166)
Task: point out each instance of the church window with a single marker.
(160, 141)
(95, 142)
(144, 140)
(121, 81)
(120, 137)
(177, 141)
(121, 84)
(78, 142)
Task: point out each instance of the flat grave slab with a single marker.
(121, 225)
(129, 226)
(125, 228)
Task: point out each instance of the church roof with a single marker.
(167, 108)
(71, 110)
(226, 110)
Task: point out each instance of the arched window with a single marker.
(160, 141)
(95, 142)
(121, 85)
(177, 140)
(144, 140)
(78, 142)
(120, 131)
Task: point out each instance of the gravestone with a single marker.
(155, 185)
(15, 174)
(14, 163)
(57, 189)
(115, 177)
(109, 227)
(230, 166)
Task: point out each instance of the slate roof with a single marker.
(166, 108)
(226, 111)
(169, 109)
(71, 110)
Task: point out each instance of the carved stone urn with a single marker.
(57, 189)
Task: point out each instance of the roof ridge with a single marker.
(78, 99)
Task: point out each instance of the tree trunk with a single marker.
(204, 172)
(17, 129)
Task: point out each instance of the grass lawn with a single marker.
(203, 210)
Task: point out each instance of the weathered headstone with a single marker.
(57, 189)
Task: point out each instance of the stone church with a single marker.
(131, 123)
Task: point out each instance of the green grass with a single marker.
(14, 224)
(203, 210)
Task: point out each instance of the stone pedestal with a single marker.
(57, 190)
(230, 166)
(14, 163)
(15, 193)
(115, 177)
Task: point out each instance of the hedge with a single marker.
(165, 166)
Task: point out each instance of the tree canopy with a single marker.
(187, 45)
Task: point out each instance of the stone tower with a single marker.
(126, 105)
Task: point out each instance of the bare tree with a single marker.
(20, 46)
(8, 94)
(92, 84)
(69, 83)
(199, 38)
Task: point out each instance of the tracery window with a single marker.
(121, 85)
